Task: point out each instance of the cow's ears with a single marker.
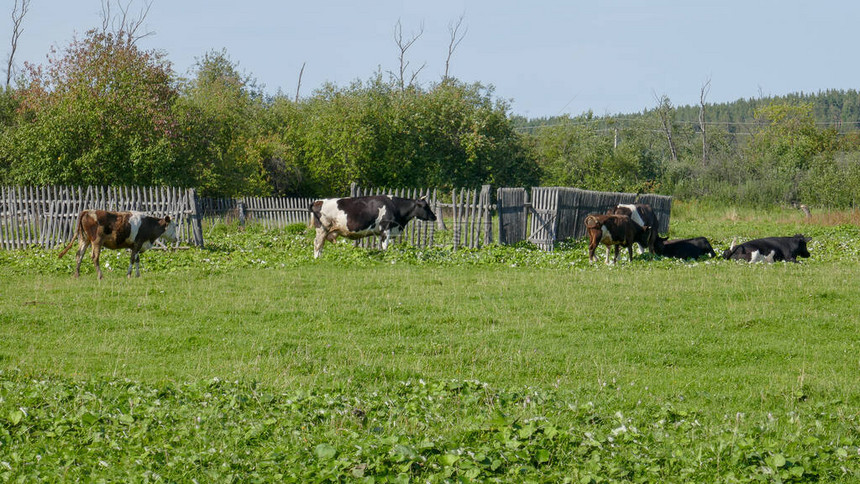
(423, 197)
(167, 218)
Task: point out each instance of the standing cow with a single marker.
(770, 249)
(358, 217)
(643, 216)
(611, 230)
(118, 230)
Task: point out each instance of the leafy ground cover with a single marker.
(250, 361)
(120, 430)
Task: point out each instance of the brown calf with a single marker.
(611, 230)
(118, 230)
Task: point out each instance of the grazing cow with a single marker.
(358, 217)
(777, 248)
(611, 230)
(645, 218)
(118, 230)
(684, 248)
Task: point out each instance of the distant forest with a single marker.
(835, 108)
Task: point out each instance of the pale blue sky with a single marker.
(546, 57)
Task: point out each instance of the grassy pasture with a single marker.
(249, 360)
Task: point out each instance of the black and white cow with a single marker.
(644, 217)
(611, 230)
(684, 248)
(358, 217)
(770, 249)
(118, 230)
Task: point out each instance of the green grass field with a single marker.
(248, 361)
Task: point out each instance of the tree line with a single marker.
(104, 111)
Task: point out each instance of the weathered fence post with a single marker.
(488, 214)
(240, 209)
(196, 219)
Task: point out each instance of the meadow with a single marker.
(249, 361)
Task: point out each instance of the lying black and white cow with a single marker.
(611, 230)
(684, 248)
(358, 217)
(757, 257)
(770, 248)
(118, 230)
(644, 217)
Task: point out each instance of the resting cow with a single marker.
(776, 248)
(611, 230)
(359, 217)
(118, 230)
(757, 257)
(643, 216)
(684, 248)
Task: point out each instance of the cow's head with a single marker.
(422, 210)
(169, 228)
(659, 244)
(802, 250)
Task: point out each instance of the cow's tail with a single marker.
(592, 222)
(315, 209)
(79, 229)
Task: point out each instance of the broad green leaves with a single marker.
(456, 430)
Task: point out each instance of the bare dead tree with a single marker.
(123, 25)
(299, 86)
(665, 112)
(706, 88)
(403, 45)
(18, 13)
(455, 38)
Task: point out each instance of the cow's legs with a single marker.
(96, 251)
(82, 249)
(135, 257)
(607, 254)
(591, 248)
(630, 252)
(384, 237)
(615, 260)
(319, 240)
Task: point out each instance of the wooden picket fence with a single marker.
(270, 212)
(46, 216)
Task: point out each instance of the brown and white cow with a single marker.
(611, 230)
(118, 230)
(358, 217)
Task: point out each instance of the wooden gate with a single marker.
(511, 204)
(544, 220)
